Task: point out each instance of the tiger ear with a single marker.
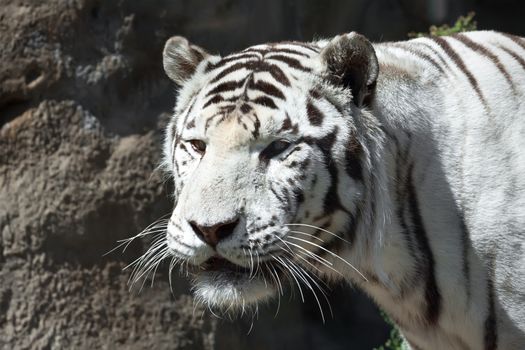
(180, 59)
(351, 62)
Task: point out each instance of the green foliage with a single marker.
(463, 24)
(395, 342)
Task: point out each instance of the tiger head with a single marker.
(270, 150)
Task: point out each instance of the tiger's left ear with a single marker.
(180, 59)
(351, 61)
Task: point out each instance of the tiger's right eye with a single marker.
(274, 149)
(198, 146)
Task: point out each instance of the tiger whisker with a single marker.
(147, 231)
(321, 229)
(303, 275)
(147, 257)
(321, 289)
(308, 235)
(148, 267)
(331, 253)
(285, 265)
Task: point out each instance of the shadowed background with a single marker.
(83, 101)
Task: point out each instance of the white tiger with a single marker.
(399, 167)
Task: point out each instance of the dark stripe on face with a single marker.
(316, 95)
(215, 99)
(226, 60)
(514, 55)
(191, 124)
(265, 101)
(484, 52)
(267, 88)
(314, 114)
(432, 295)
(287, 123)
(255, 66)
(461, 65)
(291, 62)
(353, 165)
(491, 335)
(177, 135)
(277, 195)
(331, 202)
(226, 86)
(278, 74)
(256, 126)
(246, 108)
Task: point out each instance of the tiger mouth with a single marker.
(220, 264)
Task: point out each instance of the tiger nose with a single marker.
(215, 233)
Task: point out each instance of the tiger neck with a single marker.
(405, 270)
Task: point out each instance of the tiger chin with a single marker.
(394, 167)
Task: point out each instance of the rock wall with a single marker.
(83, 100)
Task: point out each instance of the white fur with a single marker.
(466, 158)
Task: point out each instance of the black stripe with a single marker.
(267, 88)
(287, 123)
(210, 119)
(514, 55)
(316, 95)
(270, 50)
(255, 66)
(265, 101)
(461, 65)
(465, 245)
(491, 334)
(176, 134)
(353, 154)
(256, 126)
(332, 201)
(234, 67)
(437, 54)
(401, 194)
(419, 54)
(229, 59)
(274, 191)
(432, 294)
(278, 74)
(516, 39)
(290, 61)
(215, 99)
(314, 114)
(226, 86)
(245, 108)
(484, 52)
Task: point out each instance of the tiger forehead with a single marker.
(259, 74)
(250, 86)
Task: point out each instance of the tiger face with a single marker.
(269, 164)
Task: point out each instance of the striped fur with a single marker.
(399, 161)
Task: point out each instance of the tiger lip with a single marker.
(218, 263)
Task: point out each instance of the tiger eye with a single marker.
(274, 149)
(198, 146)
